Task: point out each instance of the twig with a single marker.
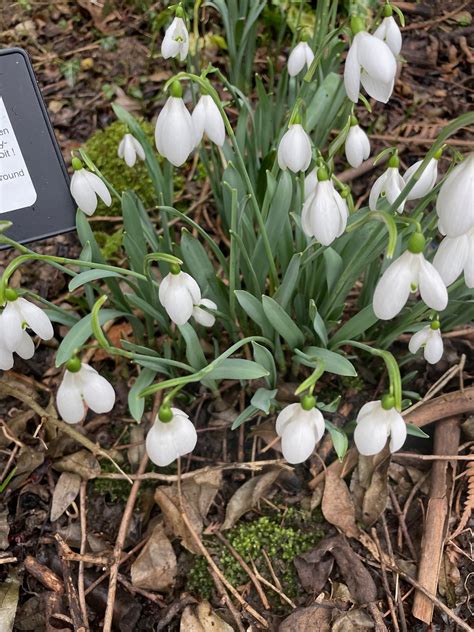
(252, 466)
(435, 457)
(402, 523)
(122, 534)
(399, 599)
(71, 593)
(385, 581)
(139, 591)
(60, 425)
(80, 578)
(447, 435)
(212, 565)
(43, 574)
(222, 591)
(274, 588)
(247, 569)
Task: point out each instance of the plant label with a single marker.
(34, 185)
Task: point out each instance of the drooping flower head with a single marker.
(455, 255)
(294, 150)
(429, 338)
(325, 212)
(82, 387)
(18, 314)
(175, 136)
(389, 183)
(86, 187)
(406, 274)
(172, 435)
(357, 146)
(176, 40)
(129, 149)
(300, 427)
(179, 294)
(300, 56)
(369, 62)
(389, 32)
(376, 422)
(455, 202)
(208, 120)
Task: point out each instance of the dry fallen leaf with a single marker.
(355, 620)
(197, 495)
(9, 590)
(337, 505)
(65, 492)
(82, 462)
(369, 486)
(202, 619)
(156, 567)
(248, 495)
(314, 567)
(317, 618)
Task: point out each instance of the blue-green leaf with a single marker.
(136, 404)
(282, 322)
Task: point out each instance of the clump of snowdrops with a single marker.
(273, 301)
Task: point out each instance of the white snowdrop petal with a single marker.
(357, 147)
(199, 118)
(432, 289)
(99, 187)
(426, 182)
(370, 408)
(176, 132)
(180, 305)
(130, 155)
(370, 434)
(317, 420)
(25, 348)
(310, 183)
(451, 257)
(376, 59)
(297, 60)
(98, 393)
(285, 416)
(389, 32)
(455, 202)
(434, 347)
(469, 265)
(138, 148)
(12, 324)
(352, 71)
(324, 214)
(121, 147)
(393, 289)
(202, 317)
(193, 288)
(36, 318)
(376, 191)
(294, 151)
(215, 128)
(82, 192)
(398, 429)
(69, 399)
(378, 90)
(393, 186)
(6, 359)
(418, 339)
(160, 445)
(298, 440)
(185, 434)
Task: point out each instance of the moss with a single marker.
(282, 540)
(115, 489)
(102, 148)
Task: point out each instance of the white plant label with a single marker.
(16, 187)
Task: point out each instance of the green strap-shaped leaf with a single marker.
(282, 322)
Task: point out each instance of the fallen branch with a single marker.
(447, 435)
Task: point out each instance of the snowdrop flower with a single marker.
(454, 255)
(129, 148)
(83, 387)
(208, 120)
(325, 212)
(370, 62)
(455, 203)
(179, 294)
(202, 316)
(171, 436)
(300, 427)
(406, 274)
(294, 150)
(175, 137)
(25, 348)
(376, 422)
(300, 56)
(86, 187)
(390, 183)
(389, 32)
(310, 182)
(430, 339)
(176, 40)
(19, 312)
(427, 179)
(357, 146)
